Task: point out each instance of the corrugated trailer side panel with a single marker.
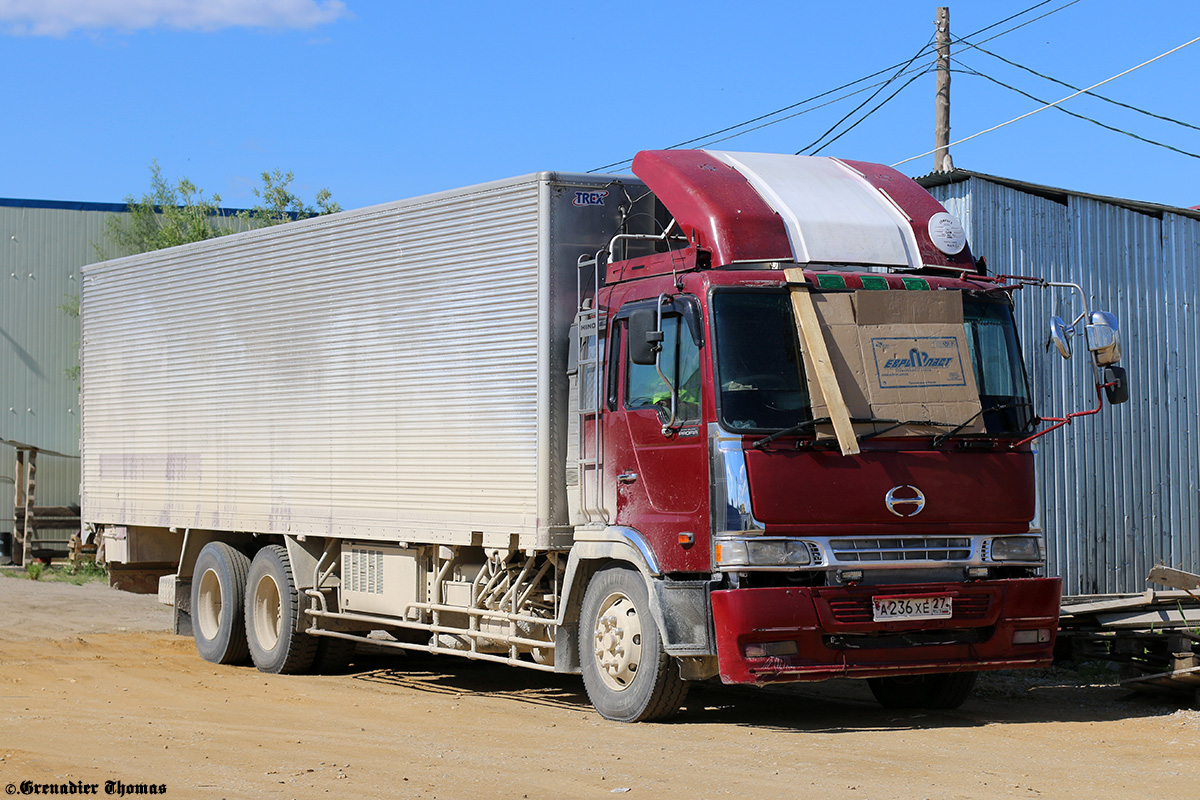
(376, 374)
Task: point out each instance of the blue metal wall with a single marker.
(1119, 491)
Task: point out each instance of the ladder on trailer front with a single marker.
(589, 325)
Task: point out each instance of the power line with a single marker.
(1056, 102)
(768, 115)
(921, 70)
(874, 94)
(1014, 16)
(1070, 86)
(778, 111)
(970, 71)
(863, 118)
(1023, 24)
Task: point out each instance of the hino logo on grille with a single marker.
(893, 499)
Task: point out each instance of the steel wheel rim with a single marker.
(618, 641)
(208, 604)
(268, 617)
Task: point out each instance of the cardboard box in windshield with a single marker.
(899, 355)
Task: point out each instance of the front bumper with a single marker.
(836, 636)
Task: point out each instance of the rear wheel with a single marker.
(272, 614)
(333, 655)
(946, 690)
(628, 675)
(218, 592)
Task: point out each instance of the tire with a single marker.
(218, 596)
(627, 674)
(272, 613)
(333, 655)
(943, 691)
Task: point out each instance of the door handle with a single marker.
(627, 477)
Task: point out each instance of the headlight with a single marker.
(1016, 548)
(778, 553)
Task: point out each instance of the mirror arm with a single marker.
(663, 299)
(1060, 421)
(1042, 283)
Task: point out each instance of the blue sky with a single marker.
(384, 99)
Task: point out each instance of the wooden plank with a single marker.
(1165, 617)
(818, 353)
(18, 542)
(1146, 599)
(1175, 578)
(30, 517)
(1181, 680)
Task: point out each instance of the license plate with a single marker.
(892, 608)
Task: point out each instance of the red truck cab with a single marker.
(895, 547)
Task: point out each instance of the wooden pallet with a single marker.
(1155, 636)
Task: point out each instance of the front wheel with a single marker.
(628, 675)
(944, 690)
(272, 615)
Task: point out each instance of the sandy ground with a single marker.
(94, 688)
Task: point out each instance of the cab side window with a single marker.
(680, 363)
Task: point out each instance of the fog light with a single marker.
(765, 649)
(977, 572)
(850, 575)
(1039, 636)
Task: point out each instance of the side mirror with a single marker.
(1116, 386)
(1104, 339)
(645, 339)
(1060, 334)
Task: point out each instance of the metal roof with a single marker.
(1156, 210)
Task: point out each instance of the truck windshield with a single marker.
(762, 384)
(760, 372)
(999, 370)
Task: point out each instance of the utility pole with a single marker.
(941, 128)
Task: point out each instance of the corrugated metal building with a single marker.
(1119, 491)
(42, 246)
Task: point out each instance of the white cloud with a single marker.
(61, 17)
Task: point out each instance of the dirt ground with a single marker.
(95, 689)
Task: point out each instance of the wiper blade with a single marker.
(792, 431)
(915, 423)
(809, 423)
(940, 439)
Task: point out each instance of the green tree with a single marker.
(168, 215)
(279, 204)
(178, 212)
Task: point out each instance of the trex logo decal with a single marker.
(586, 199)
(918, 361)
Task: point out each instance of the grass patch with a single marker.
(76, 574)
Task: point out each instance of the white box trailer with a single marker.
(394, 374)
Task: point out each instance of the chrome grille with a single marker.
(907, 548)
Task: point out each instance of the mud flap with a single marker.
(183, 607)
(685, 617)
